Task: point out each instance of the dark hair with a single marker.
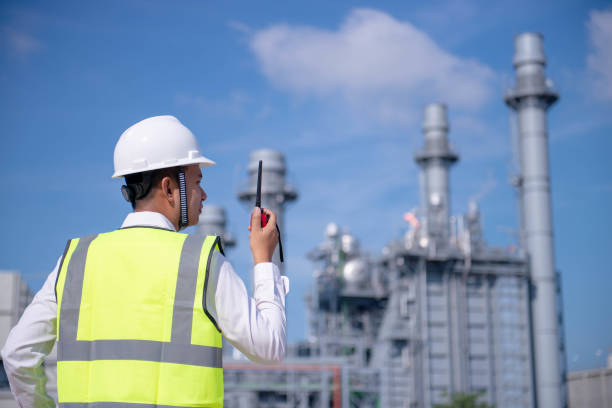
(139, 185)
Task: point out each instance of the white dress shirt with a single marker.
(256, 326)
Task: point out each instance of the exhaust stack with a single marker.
(213, 222)
(530, 98)
(435, 160)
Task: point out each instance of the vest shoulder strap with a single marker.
(215, 246)
(59, 267)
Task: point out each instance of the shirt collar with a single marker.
(147, 219)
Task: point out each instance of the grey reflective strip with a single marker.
(184, 296)
(115, 405)
(141, 350)
(73, 289)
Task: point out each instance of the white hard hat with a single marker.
(156, 143)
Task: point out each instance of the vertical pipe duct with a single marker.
(213, 222)
(530, 98)
(435, 160)
(275, 192)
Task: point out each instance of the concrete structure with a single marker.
(213, 222)
(591, 388)
(275, 191)
(530, 98)
(15, 297)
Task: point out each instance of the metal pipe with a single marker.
(531, 97)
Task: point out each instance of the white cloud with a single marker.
(599, 60)
(375, 63)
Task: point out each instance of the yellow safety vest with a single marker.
(133, 329)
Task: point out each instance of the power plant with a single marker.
(438, 312)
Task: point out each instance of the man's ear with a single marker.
(166, 187)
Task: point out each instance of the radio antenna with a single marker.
(258, 194)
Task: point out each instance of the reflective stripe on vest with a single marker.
(180, 366)
(115, 405)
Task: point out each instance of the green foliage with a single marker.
(463, 400)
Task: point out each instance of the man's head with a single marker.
(160, 192)
(161, 160)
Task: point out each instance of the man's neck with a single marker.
(172, 220)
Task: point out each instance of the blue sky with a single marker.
(338, 87)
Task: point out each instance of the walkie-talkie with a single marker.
(265, 217)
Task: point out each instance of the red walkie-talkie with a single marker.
(265, 217)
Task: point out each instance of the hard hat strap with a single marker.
(184, 220)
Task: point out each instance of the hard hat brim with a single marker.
(202, 161)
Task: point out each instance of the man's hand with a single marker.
(263, 240)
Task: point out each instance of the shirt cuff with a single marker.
(265, 271)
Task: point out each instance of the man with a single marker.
(138, 313)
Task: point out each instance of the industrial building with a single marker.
(15, 297)
(440, 311)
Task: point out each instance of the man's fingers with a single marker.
(255, 220)
(272, 219)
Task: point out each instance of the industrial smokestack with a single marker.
(435, 160)
(275, 192)
(530, 98)
(213, 222)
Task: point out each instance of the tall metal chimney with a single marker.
(275, 192)
(530, 98)
(435, 160)
(213, 222)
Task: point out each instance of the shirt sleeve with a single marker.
(28, 343)
(257, 325)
